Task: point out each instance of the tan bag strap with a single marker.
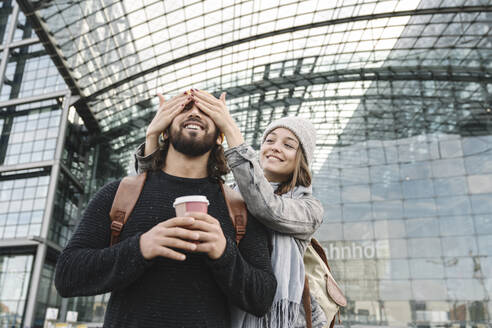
(237, 210)
(124, 201)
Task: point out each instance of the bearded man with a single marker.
(169, 271)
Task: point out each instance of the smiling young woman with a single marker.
(283, 160)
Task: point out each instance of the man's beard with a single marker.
(190, 146)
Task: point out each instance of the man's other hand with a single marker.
(172, 233)
(212, 239)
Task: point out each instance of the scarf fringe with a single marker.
(283, 314)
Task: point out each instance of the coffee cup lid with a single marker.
(193, 198)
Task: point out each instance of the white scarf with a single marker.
(288, 267)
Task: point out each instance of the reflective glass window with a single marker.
(29, 72)
(6, 8)
(47, 295)
(23, 28)
(424, 247)
(425, 227)
(459, 246)
(15, 273)
(31, 136)
(429, 289)
(22, 206)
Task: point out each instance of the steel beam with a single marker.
(26, 166)
(19, 43)
(8, 40)
(48, 213)
(60, 62)
(27, 100)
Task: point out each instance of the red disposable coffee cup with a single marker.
(194, 203)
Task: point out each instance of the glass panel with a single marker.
(356, 212)
(66, 210)
(459, 246)
(424, 247)
(483, 224)
(358, 231)
(386, 191)
(429, 290)
(15, 273)
(6, 8)
(30, 136)
(450, 186)
(23, 207)
(426, 268)
(418, 188)
(29, 72)
(47, 295)
(393, 269)
(422, 227)
(23, 29)
(389, 229)
(419, 207)
(458, 205)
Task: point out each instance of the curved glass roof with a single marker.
(359, 69)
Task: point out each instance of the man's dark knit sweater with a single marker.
(164, 292)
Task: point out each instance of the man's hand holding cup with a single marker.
(211, 240)
(191, 230)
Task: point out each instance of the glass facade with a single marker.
(15, 272)
(408, 226)
(399, 92)
(47, 295)
(30, 72)
(32, 135)
(22, 206)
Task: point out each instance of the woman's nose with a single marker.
(275, 147)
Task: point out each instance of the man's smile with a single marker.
(193, 126)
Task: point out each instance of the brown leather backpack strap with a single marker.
(237, 210)
(332, 324)
(319, 249)
(124, 201)
(306, 302)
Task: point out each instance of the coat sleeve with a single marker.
(88, 265)
(298, 217)
(143, 163)
(244, 273)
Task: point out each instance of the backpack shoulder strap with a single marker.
(124, 201)
(306, 302)
(319, 249)
(237, 210)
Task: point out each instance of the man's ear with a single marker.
(164, 135)
(220, 139)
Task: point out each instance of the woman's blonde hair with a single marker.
(301, 176)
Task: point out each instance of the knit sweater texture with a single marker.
(164, 292)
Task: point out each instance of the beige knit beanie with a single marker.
(303, 130)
